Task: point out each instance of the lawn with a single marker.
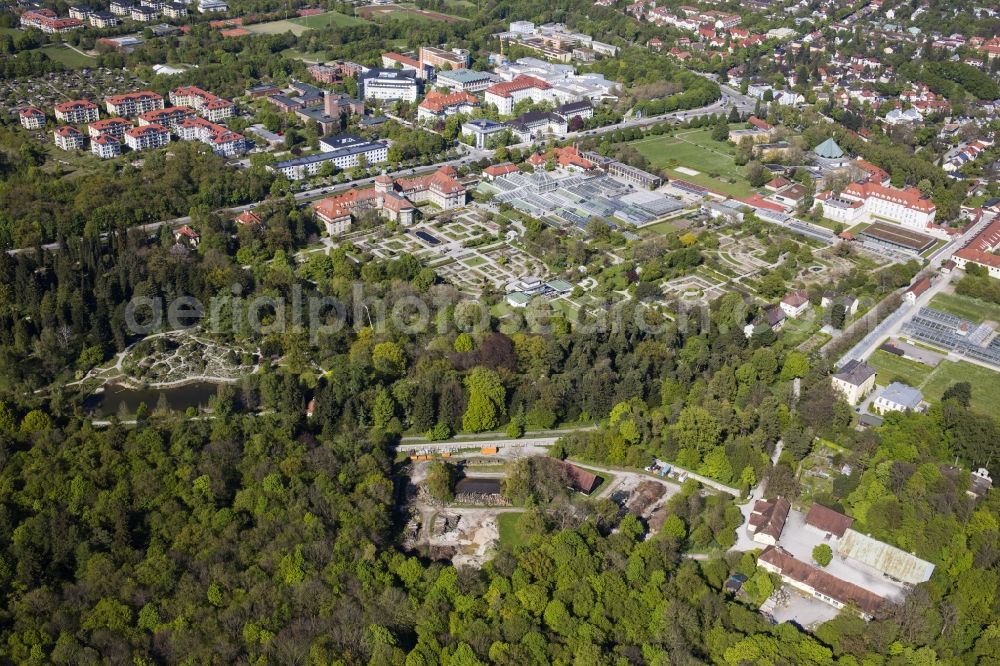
(985, 384)
(665, 227)
(934, 381)
(696, 150)
(67, 56)
(966, 307)
(299, 25)
(509, 526)
(891, 368)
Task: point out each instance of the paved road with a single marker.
(892, 324)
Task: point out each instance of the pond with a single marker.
(120, 400)
(477, 486)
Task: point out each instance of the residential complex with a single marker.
(32, 118)
(130, 105)
(77, 112)
(68, 137)
(146, 137)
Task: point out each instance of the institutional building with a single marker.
(394, 200)
(344, 152)
(854, 381)
(980, 250)
(504, 96)
(871, 201)
(438, 105)
(389, 85)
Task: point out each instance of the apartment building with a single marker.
(103, 20)
(115, 127)
(81, 12)
(68, 137)
(48, 21)
(146, 137)
(77, 112)
(32, 118)
(169, 117)
(105, 146)
(212, 107)
(144, 14)
(223, 140)
(175, 10)
(133, 104)
(120, 8)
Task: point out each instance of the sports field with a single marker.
(695, 149)
(301, 24)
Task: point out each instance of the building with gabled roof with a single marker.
(438, 105)
(818, 583)
(768, 520)
(115, 127)
(833, 523)
(393, 199)
(77, 112)
(68, 137)
(32, 118)
(854, 381)
(146, 137)
(105, 146)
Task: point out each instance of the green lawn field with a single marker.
(67, 56)
(302, 24)
(696, 150)
(934, 381)
(892, 368)
(966, 307)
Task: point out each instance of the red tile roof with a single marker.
(76, 104)
(438, 102)
(910, 197)
(497, 170)
(520, 83)
(980, 248)
(828, 520)
(141, 94)
(821, 581)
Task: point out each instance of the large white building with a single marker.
(869, 201)
(223, 140)
(504, 96)
(115, 127)
(68, 137)
(77, 112)
(133, 104)
(344, 152)
(105, 146)
(146, 137)
(212, 107)
(854, 381)
(32, 118)
(389, 85)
